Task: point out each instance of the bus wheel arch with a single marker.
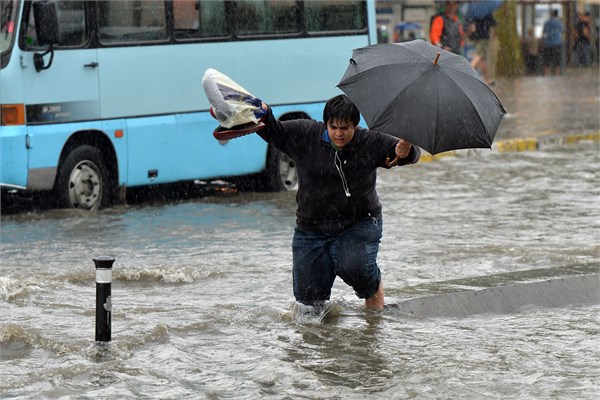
(87, 172)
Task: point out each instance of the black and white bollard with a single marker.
(103, 301)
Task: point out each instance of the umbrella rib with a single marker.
(437, 124)
(464, 72)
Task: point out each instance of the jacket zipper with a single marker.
(338, 165)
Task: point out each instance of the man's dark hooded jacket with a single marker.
(336, 188)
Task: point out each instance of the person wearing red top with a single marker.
(446, 30)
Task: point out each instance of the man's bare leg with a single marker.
(475, 61)
(481, 63)
(377, 301)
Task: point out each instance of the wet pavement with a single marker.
(539, 106)
(490, 265)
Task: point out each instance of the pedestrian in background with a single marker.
(583, 45)
(531, 50)
(552, 40)
(338, 216)
(479, 33)
(446, 30)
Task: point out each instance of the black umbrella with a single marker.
(416, 91)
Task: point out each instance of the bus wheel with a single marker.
(281, 173)
(83, 180)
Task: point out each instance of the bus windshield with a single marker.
(8, 9)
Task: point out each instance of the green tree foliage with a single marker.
(509, 59)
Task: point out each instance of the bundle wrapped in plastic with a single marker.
(238, 112)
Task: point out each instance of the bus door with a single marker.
(134, 87)
(64, 86)
(134, 82)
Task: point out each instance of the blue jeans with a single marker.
(351, 255)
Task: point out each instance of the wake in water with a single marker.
(317, 313)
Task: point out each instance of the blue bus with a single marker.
(100, 96)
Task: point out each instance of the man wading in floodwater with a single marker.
(338, 218)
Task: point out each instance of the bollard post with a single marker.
(103, 300)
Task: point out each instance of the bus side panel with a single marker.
(65, 92)
(203, 157)
(153, 153)
(46, 145)
(13, 156)
(13, 151)
(116, 130)
(145, 80)
(173, 148)
(372, 21)
(298, 71)
(173, 84)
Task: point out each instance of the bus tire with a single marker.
(83, 180)
(281, 174)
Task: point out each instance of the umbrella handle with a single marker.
(392, 163)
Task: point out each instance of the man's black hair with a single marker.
(340, 107)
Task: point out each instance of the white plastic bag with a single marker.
(231, 104)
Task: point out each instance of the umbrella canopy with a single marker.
(479, 9)
(421, 93)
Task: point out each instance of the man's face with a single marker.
(340, 132)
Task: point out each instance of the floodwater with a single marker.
(550, 105)
(202, 303)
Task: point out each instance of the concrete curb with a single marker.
(583, 290)
(517, 145)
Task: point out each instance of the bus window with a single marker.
(71, 25)
(259, 17)
(7, 23)
(71, 22)
(132, 21)
(335, 15)
(199, 19)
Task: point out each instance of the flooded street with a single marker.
(550, 105)
(203, 304)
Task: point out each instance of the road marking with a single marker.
(517, 145)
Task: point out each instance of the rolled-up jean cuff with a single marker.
(371, 292)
